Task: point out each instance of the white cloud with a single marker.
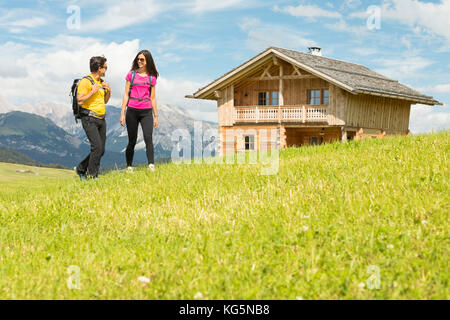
(173, 91)
(29, 75)
(201, 6)
(425, 118)
(440, 88)
(350, 4)
(172, 41)
(404, 67)
(343, 26)
(29, 23)
(9, 53)
(120, 14)
(18, 20)
(422, 17)
(264, 35)
(308, 11)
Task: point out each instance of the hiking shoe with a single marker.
(151, 166)
(130, 170)
(82, 175)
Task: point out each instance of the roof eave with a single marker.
(208, 90)
(429, 102)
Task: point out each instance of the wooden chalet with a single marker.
(308, 99)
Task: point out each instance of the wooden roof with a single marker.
(351, 77)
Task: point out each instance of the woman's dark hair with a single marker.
(151, 68)
(96, 63)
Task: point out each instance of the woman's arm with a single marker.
(155, 110)
(125, 102)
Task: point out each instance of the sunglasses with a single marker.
(141, 59)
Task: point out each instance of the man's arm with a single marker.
(107, 88)
(84, 93)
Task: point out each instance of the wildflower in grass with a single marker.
(314, 270)
(424, 222)
(361, 285)
(198, 296)
(390, 246)
(305, 228)
(144, 280)
(227, 233)
(253, 267)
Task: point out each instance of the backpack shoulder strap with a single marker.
(90, 79)
(150, 78)
(133, 75)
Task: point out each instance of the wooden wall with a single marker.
(337, 107)
(232, 138)
(344, 109)
(225, 106)
(295, 91)
(251, 90)
(372, 112)
(302, 135)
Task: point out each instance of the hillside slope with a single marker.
(32, 175)
(364, 219)
(13, 156)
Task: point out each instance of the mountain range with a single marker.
(47, 132)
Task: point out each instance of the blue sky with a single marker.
(194, 42)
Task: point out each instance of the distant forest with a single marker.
(13, 156)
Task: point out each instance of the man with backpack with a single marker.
(92, 95)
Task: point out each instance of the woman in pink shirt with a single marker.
(139, 101)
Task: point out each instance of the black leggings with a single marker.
(133, 118)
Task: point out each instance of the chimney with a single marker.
(315, 51)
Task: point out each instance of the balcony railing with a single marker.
(256, 114)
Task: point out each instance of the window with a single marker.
(275, 98)
(326, 97)
(314, 141)
(318, 97)
(263, 98)
(249, 142)
(268, 98)
(314, 97)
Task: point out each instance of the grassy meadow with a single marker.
(359, 220)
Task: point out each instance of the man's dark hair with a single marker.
(96, 63)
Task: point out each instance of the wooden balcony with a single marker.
(281, 114)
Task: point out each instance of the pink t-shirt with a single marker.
(140, 90)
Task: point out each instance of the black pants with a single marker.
(96, 132)
(145, 118)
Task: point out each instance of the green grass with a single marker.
(9, 173)
(310, 231)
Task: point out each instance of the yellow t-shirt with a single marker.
(96, 103)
